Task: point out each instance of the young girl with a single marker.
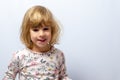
(40, 60)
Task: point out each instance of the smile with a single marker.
(42, 40)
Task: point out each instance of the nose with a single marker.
(41, 33)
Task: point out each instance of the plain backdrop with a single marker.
(90, 38)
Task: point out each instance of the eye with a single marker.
(35, 29)
(46, 28)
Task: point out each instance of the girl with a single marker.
(40, 60)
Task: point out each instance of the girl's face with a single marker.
(40, 37)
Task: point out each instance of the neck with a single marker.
(44, 49)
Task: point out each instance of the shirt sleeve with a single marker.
(63, 74)
(13, 68)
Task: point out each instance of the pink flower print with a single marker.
(22, 57)
(36, 73)
(33, 63)
(56, 71)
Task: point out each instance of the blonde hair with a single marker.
(38, 15)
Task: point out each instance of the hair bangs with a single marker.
(38, 20)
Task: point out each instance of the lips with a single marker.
(42, 40)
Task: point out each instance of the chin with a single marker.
(42, 46)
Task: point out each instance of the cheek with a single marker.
(49, 36)
(32, 36)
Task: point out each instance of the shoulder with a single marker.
(59, 52)
(20, 53)
(60, 55)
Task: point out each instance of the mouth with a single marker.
(41, 40)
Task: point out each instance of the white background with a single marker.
(90, 39)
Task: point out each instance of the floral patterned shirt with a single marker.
(31, 65)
